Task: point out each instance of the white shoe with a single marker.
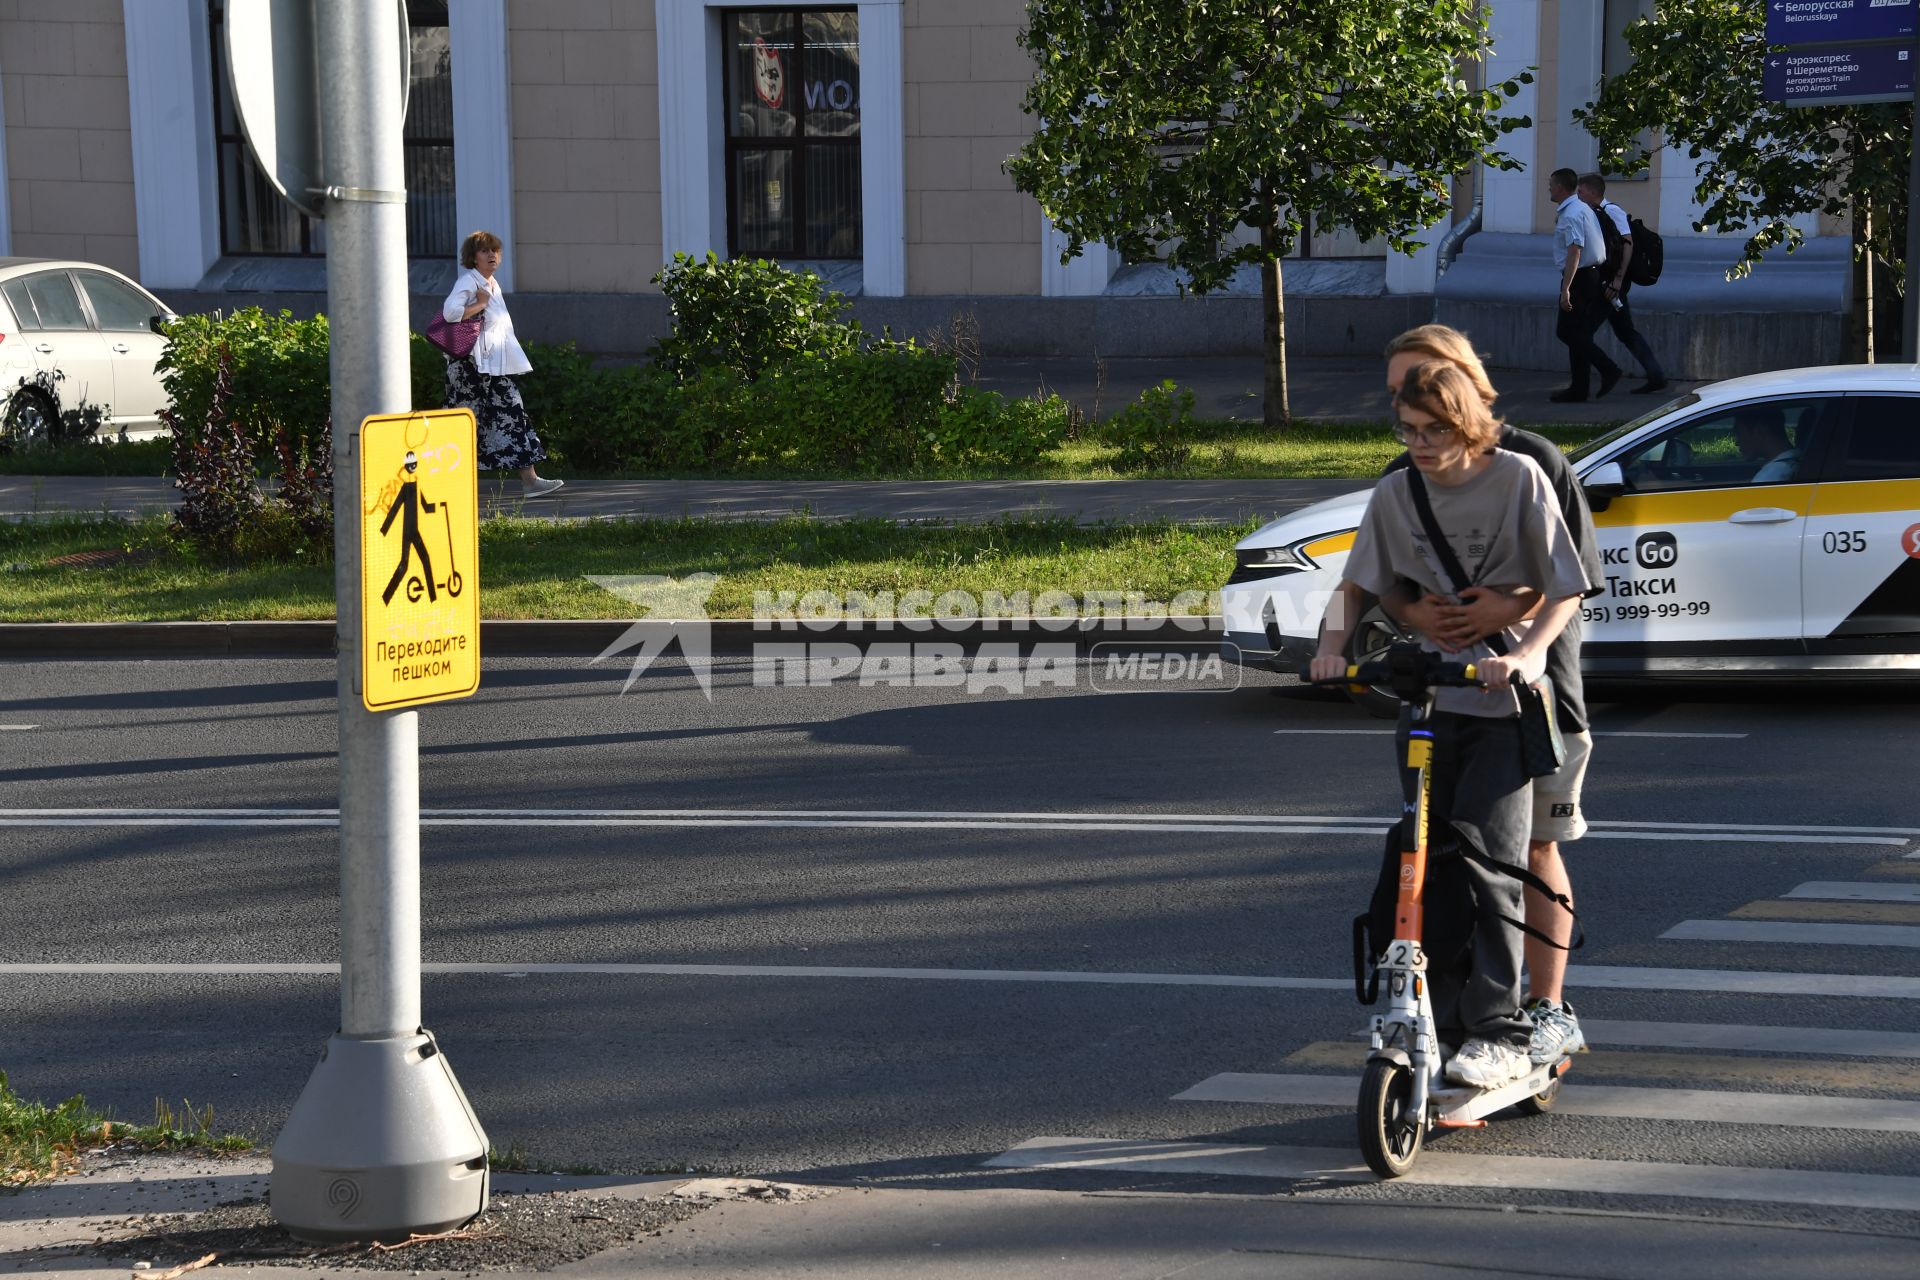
(541, 488)
(1488, 1064)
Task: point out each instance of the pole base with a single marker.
(381, 1144)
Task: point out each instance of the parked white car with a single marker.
(1724, 554)
(77, 335)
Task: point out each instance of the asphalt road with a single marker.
(1059, 909)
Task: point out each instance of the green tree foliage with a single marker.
(1697, 83)
(1166, 125)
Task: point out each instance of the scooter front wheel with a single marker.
(1390, 1135)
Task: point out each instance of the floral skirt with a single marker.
(508, 441)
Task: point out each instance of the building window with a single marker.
(791, 94)
(256, 220)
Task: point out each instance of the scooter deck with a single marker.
(1460, 1105)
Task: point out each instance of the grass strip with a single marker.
(38, 1142)
(540, 569)
(1222, 450)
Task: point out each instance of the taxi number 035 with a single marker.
(1643, 612)
(1840, 542)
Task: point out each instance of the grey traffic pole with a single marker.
(1910, 328)
(382, 1142)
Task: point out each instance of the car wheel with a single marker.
(1375, 632)
(31, 420)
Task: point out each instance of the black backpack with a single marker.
(1649, 253)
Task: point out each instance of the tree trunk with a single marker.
(1860, 314)
(1277, 412)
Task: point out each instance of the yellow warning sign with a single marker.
(419, 558)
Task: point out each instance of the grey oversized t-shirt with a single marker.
(1505, 528)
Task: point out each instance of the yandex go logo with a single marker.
(1910, 541)
(1656, 550)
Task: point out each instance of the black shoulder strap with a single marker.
(1534, 882)
(1417, 489)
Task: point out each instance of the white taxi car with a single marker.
(77, 335)
(1763, 525)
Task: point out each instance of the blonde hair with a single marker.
(1450, 345)
(477, 243)
(1444, 389)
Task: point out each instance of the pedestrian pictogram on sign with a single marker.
(419, 558)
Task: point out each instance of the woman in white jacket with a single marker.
(482, 380)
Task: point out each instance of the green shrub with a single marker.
(986, 428)
(746, 315)
(1155, 432)
(278, 376)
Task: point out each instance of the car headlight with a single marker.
(1273, 559)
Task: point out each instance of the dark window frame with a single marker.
(795, 146)
(237, 140)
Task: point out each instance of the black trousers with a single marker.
(1480, 788)
(1620, 320)
(1577, 327)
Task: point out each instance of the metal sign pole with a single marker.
(382, 1142)
(1910, 314)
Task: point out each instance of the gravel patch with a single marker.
(516, 1233)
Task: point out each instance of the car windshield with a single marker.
(1595, 445)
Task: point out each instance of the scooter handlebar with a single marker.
(1405, 667)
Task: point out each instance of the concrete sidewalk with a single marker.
(1224, 1229)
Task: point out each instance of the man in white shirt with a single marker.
(1579, 251)
(1593, 194)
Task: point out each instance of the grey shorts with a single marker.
(1556, 797)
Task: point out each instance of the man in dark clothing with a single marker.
(1578, 250)
(1593, 194)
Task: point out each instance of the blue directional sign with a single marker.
(1828, 21)
(1802, 77)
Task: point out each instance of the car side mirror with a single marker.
(1603, 484)
(158, 324)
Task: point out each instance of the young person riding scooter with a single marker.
(1499, 516)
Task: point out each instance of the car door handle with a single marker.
(1762, 515)
(120, 348)
(45, 348)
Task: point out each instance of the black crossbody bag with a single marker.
(1542, 749)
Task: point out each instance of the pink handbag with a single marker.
(455, 338)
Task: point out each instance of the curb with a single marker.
(547, 637)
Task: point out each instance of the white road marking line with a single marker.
(908, 820)
(1439, 1168)
(16, 727)
(1715, 980)
(1856, 891)
(1829, 935)
(1598, 733)
(1825, 1041)
(1711, 1106)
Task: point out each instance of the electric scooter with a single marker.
(1404, 1094)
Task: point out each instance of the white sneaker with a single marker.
(1488, 1064)
(541, 488)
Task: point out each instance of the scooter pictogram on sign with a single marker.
(421, 626)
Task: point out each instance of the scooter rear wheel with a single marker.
(1390, 1136)
(1539, 1103)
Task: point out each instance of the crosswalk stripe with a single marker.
(1742, 982)
(1832, 935)
(1727, 1069)
(1831, 1041)
(1855, 891)
(1712, 1106)
(1438, 1168)
(1831, 912)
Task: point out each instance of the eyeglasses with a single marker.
(1438, 433)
